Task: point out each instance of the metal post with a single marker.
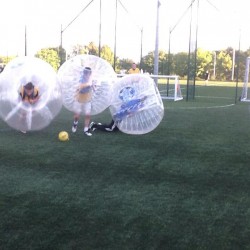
(61, 35)
(141, 49)
(214, 64)
(25, 42)
(115, 35)
(237, 69)
(100, 29)
(233, 65)
(156, 53)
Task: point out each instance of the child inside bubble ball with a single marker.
(83, 100)
(29, 93)
(130, 104)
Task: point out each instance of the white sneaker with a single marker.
(91, 126)
(23, 131)
(87, 133)
(74, 128)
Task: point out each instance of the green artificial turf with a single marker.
(185, 185)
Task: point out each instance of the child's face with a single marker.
(29, 92)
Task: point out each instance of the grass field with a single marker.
(185, 185)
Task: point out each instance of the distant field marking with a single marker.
(209, 107)
(214, 97)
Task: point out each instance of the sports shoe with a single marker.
(87, 133)
(91, 126)
(23, 131)
(74, 128)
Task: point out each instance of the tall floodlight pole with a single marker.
(156, 53)
(115, 35)
(141, 48)
(192, 54)
(237, 69)
(61, 41)
(25, 41)
(100, 29)
(169, 49)
(233, 65)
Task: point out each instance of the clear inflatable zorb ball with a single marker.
(86, 79)
(137, 107)
(30, 94)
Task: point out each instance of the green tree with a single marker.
(180, 64)
(240, 63)
(223, 66)
(107, 54)
(162, 69)
(92, 49)
(79, 49)
(125, 64)
(49, 55)
(169, 64)
(148, 63)
(204, 62)
(62, 55)
(5, 59)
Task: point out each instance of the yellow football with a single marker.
(63, 136)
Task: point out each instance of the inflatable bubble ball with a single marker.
(136, 107)
(30, 94)
(86, 79)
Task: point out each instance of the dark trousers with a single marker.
(111, 127)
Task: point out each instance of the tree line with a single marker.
(222, 65)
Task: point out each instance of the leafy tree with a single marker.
(92, 49)
(169, 64)
(49, 55)
(125, 64)
(240, 64)
(107, 54)
(5, 59)
(148, 63)
(62, 55)
(173, 64)
(180, 64)
(223, 65)
(162, 63)
(78, 50)
(204, 62)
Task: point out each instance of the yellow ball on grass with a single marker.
(63, 136)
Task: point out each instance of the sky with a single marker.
(221, 24)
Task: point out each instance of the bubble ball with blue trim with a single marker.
(137, 106)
